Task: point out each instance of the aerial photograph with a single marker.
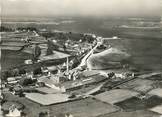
(81, 58)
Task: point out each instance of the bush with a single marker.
(43, 114)
(25, 81)
(5, 75)
(21, 94)
(15, 72)
(10, 73)
(22, 71)
(27, 28)
(11, 89)
(37, 71)
(5, 29)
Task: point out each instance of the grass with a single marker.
(84, 108)
(139, 113)
(141, 85)
(135, 103)
(157, 92)
(115, 96)
(110, 58)
(87, 107)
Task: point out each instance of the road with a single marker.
(84, 60)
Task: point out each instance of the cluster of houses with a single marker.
(58, 84)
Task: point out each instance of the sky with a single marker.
(81, 7)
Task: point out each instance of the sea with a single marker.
(140, 37)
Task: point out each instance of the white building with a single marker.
(13, 112)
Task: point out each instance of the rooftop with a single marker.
(76, 83)
(47, 80)
(47, 90)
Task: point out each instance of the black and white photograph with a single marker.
(81, 58)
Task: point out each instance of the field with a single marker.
(135, 103)
(139, 85)
(157, 109)
(13, 58)
(115, 96)
(145, 53)
(85, 108)
(141, 113)
(47, 99)
(157, 92)
(109, 59)
(80, 108)
(142, 43)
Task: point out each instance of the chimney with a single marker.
(67, 64)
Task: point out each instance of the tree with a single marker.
(11, 89)
(25, 81)
(22, 71)
(64, 47)
(5, 29)
(15, 72)
(50, 47)
(49, 51)
(4, 76)
(21, 94)
(37, 52)
(43, 114)
(37, 71)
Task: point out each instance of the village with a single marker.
(58, 74)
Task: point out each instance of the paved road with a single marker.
(84, 60)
